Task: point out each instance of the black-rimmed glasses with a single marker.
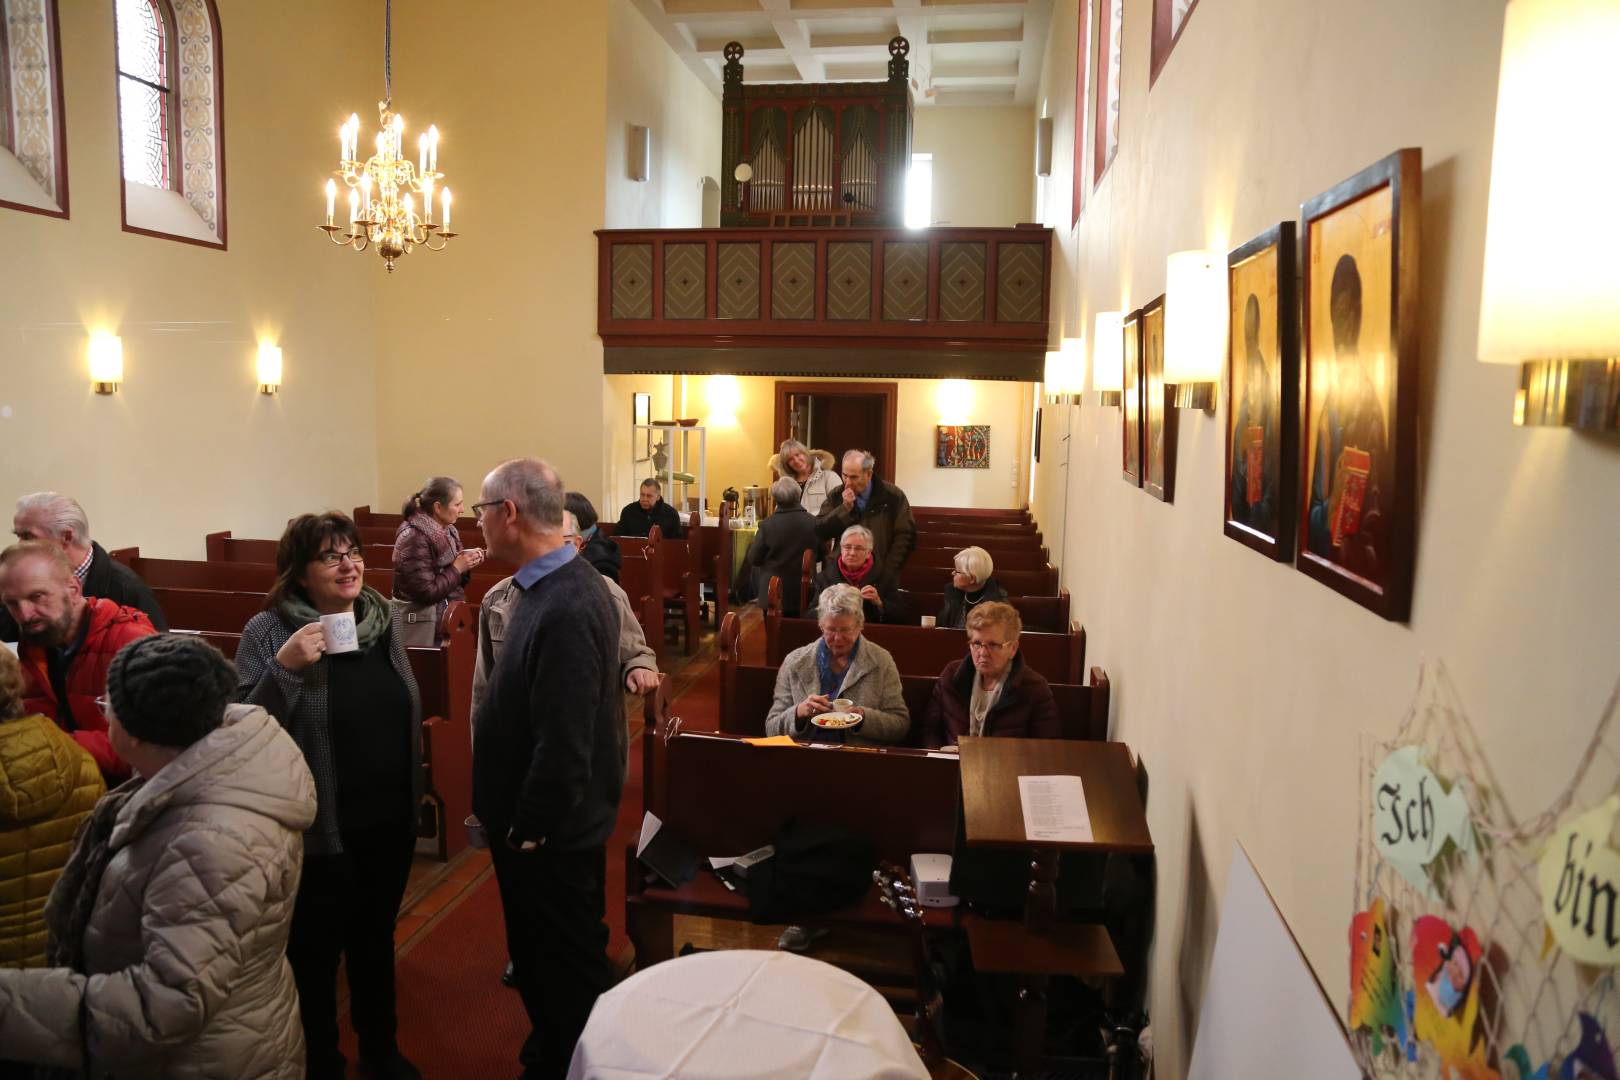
(333, 558)
(478, 508)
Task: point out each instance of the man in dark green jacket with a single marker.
(864, 499)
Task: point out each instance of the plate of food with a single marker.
(837, 721)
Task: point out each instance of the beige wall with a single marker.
(188, 445)
(650, 87)
(491, 347)
(1244, 685)
(739, 447)
(984, 160)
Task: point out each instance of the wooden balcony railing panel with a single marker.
(975, 300)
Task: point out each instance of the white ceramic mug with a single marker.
(339, 632)
(843, 704)
(928, 621)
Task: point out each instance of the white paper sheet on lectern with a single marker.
(1055, 808)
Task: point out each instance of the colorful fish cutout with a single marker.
(1446, 973)
(1375, 982)
(1593, 1059)
(1520, 1057)
(1580, 886)
(1414, 816)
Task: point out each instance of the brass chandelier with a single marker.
(383, 189)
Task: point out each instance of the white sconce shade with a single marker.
(954, 399)
(106, 361)
(1548, 299)
(1108, 353)
(1043, 146)
(1195, 323)
(1052, 379)
(269, 368)
(639, 156)
(1066, 371)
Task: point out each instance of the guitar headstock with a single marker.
(898, 893)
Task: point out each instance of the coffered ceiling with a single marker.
(963, 52)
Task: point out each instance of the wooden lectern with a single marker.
(993, 815)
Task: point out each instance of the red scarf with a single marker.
(857, 576)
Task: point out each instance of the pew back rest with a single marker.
(711, 794)
(921, 650)
(1043, 614)
(1006, 559)
(956, 540)
(1016, 582)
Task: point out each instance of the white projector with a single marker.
(931, 877)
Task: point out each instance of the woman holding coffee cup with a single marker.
(430, 567)
(328, 660)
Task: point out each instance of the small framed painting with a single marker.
(1169, 19)
(1130, 400)
(962, 446)
(1158, 421)
(1262, 393)
(1357, 513)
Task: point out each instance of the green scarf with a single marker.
(371, 614)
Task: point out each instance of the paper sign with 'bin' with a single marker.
(1580, 886)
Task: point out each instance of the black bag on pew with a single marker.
(816, 869)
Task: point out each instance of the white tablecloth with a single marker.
(745, 1014)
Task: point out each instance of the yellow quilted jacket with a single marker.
(48, 783)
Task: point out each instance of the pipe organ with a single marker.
(813, 150)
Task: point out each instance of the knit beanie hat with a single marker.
(170, 689)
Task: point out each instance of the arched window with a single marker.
(146, 104)
(170, 132)
(33, 145)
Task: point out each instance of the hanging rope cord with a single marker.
(388, 51)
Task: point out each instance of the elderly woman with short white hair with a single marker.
(971, 585)
(840, 664)
(857, 567)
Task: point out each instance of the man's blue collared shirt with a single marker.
(530, 573)
(864, 497)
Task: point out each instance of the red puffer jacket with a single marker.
(111, 628)
(424, 562)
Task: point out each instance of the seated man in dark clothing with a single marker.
(60, 520)
(879, 588)
(991, 691)
(598, 550)
(778, 548)
(650, 509)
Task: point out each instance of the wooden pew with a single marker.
(1009, 559)
(1044, 614)
(1016, 582)
(902, 800)
(641, 575)
(380, 534)
(919, 650)
(746, 691)
(367, 518)
(223, 547)
(955, 540)
(676, 580)
(1016, 516)
(255, 577)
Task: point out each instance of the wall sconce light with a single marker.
(1065, 375)
(106, 362)
(269, 368)
(1108, 357)
(954, 399)
(1548, 297)
(639, 153)
(1043, 146)
(1195, 319)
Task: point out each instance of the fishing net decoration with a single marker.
(1530, 990)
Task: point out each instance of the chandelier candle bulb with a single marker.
(433, 149)
(427, 199)
(331, 199)
(421, 153)
(444, 198)
(354, 210)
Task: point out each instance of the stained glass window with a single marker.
(145, 94)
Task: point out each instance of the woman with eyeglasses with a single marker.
(357, 717)
(991, 691)
(971, 585)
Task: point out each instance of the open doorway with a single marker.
(839, 416)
